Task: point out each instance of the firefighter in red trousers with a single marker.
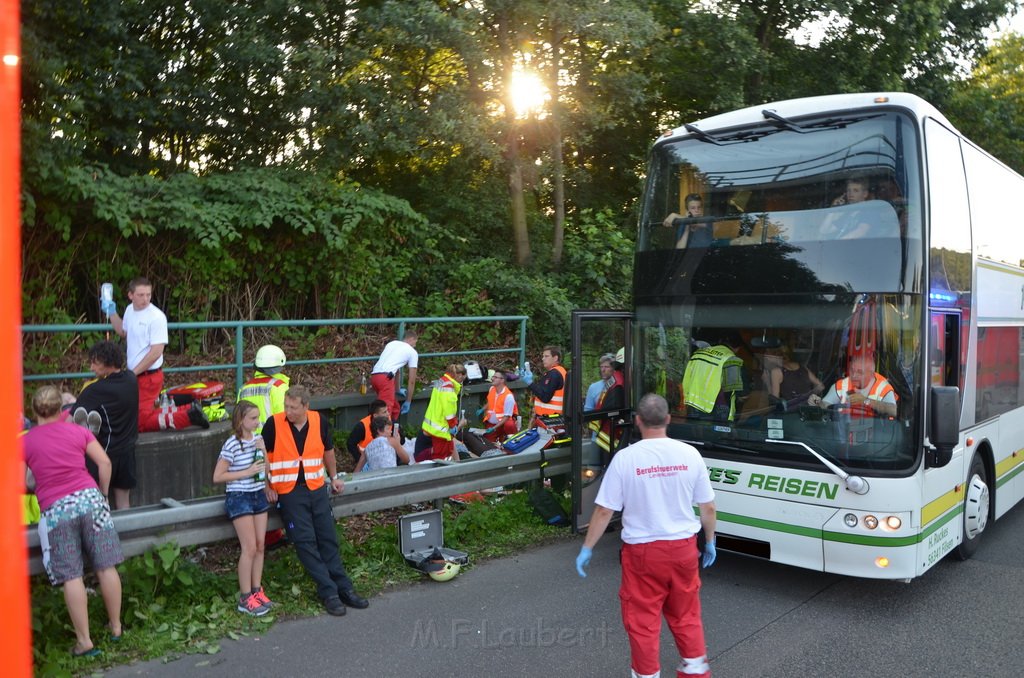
(144, 327)
(654, 483)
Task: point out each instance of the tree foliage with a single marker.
(363, 158)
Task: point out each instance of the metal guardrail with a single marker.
(239, 327)
(202, 521)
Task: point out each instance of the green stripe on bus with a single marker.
(840, 537)
(1009, 476)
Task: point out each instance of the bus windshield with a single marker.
(779, 286)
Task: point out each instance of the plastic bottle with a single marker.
(106, 294)
(362, 383)
(526, 369)
(258, 456)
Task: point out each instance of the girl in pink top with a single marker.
(76, 515)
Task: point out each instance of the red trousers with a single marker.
(385, 389)
(441, 448)
(151, 417)
(661, 578)
(504, 430)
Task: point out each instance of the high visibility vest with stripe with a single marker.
(710, 371)
(880, 388)
(556, 405)
(285, 460)
(496, 405)
(266, 393)
(443, 406)
(603, 428)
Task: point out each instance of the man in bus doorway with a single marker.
(655, 483)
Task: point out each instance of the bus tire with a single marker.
(976, 508)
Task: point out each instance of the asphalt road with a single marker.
(532, 616)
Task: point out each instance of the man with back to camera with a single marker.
(299, 449)
(654, 483)
(114, 399)
(268, 385)
(397, 354)
(144, 328)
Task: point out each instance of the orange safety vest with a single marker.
(285, 460)
(880, 388)
(367, 435)
(496, 404)
(556, 404)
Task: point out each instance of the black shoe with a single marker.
(334, 607)
(353, 599)
(196, 416)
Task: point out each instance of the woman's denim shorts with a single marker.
(238, 504)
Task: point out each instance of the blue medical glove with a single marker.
(488, 431)
(583, 560)
(480, 412)
(401, 393)
(405, 407)
(709, 554)
(108, 306)
(527, 378)
(453, 430)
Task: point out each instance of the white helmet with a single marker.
(269, 357)
(446, 573)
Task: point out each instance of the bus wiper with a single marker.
(785, 122)
(701, 134)
(855, 484)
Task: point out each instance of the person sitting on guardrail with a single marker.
(242, 465)
(384, 451)
(299, 450)
(76, 518)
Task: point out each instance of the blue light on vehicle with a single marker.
(942, 298)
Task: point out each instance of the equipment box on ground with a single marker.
(420, 535)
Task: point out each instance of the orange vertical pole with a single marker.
(16, 639)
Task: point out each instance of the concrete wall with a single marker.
(179, 464)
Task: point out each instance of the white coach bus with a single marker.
(831, 248)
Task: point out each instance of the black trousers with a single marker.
(307, 517)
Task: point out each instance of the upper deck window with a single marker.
(826, 178)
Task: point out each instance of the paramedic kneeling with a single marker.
(654, 483)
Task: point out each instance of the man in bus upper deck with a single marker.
(864, 390)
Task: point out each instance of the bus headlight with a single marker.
(850, 520)
(893, 522)
(870, 522)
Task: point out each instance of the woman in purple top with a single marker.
(76, 517)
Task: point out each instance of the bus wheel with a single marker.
(976, 504)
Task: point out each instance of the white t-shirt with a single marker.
(396, 355)
(143, 329)
(655, 484)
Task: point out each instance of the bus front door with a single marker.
(600, 403)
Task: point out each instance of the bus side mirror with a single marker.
(945, 424)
